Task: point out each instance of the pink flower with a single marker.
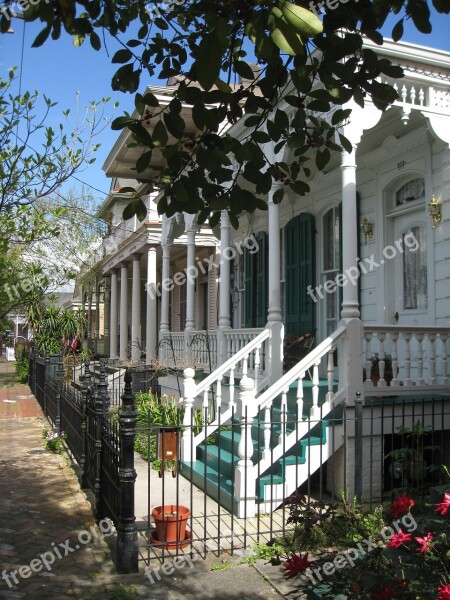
(296, 565)
(401, 506)
(398, 539)
(444, 592)
(443, 507)
(425, 543)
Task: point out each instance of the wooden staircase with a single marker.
(217, 456)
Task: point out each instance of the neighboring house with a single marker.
(362, 262)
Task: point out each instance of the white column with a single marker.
(123, 311)
(225, 267)
(273, 225)
(136, 309)
(113, 317)
(274, 365)
(106, 314)
(350, 306)
(151, 332)
(97, 310)
(164, 325)
(89, 312)
(190, 282)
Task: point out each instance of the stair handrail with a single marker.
(301, 367)
(232, 361)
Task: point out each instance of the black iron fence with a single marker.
(101, 443)
(198, 486)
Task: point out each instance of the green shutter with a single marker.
(249, 270)
(261, 279)
(300, 274)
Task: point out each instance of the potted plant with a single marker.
(375, 373)
(170, 521)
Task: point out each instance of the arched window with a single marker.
(413, 190)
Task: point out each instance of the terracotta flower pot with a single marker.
(170, 521)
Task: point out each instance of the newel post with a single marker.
(127, 543)
(244, 474)
(187, 441)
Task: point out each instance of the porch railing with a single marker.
(418, 355)
(219, 380)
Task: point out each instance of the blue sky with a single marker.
(60, 70)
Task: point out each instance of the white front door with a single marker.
(411, 304)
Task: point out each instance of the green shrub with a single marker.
(22, 368)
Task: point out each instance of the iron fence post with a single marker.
(358, 447)
(127, 544)
(34, 374)
(30, 369)
(86, 383)
(59, 384)
(46, 375)
(101, 397)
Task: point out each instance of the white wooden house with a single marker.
(363, 261)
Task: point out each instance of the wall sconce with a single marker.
(434, 210)
(367, 229)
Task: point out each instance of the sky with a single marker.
(65, 73)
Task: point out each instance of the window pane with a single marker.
(413, 190)
(415, 292)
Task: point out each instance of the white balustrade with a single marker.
(211, 389)
(418, 356)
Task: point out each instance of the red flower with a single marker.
(296, 565)
(425, 543)
(401, 506)
(444, 592)
(386, 593)
(443, 507)
(398, 539)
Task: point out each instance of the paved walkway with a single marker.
(46, 521)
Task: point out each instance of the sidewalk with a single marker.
(43, 510)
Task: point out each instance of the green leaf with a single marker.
(322, 158)
(210, 55)
(122, 56)
(174, 124)
(159, 135)
(95, 41)
(420, 14)
(299, 187)
(442, 6)
(397, 32)
(42, 37)
(121, 122)
(244, 70)
(345, 143)
(260, 137)
(143, 162)
(278, 196)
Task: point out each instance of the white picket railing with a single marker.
(419, 358)
(211, 389)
